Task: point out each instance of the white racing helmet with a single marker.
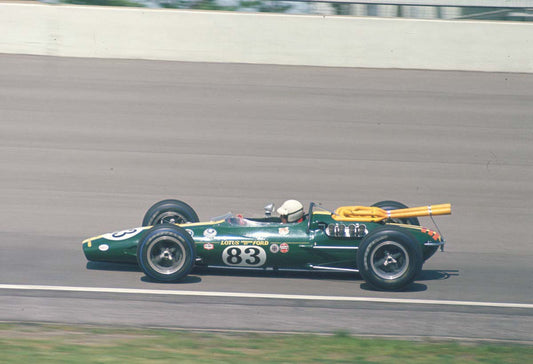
(293, 209)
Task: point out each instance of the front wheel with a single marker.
(166, 253)
(389, 258)
(169, 212)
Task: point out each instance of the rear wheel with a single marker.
(169, 212)
(394, 205)
(389, 258)
(166, 253)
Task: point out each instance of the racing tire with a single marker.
(395, 205)
(389, 258)
(166, 253)
(169, 212)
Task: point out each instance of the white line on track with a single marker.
(261, 295)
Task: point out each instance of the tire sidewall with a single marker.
(395, 205)
(372, 241)
(165, 206)
(178, 236)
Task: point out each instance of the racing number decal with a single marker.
(122, 235)
(234, 256)
(244, 256)
(254, 253)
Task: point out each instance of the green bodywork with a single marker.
(317, 243)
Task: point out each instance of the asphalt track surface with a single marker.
(88, 145)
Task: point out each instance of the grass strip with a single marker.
(43, 343)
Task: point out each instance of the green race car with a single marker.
(384, 242)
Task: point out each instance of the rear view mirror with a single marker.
(268, 209)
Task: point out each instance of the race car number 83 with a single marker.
(122, 235)
(244, 256)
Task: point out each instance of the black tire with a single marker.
(171, 212)
(166, 253)
(389, 258)
(395, 205)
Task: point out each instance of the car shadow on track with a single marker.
(319, 275)
(424, 276)
(437, 274)
(119, 267)
(413, 287)
(187, 280)
(198, 272)
(127, 267)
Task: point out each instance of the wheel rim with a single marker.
(170, 217)
(389, 260)
(166, 255)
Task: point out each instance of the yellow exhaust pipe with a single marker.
(375, 214)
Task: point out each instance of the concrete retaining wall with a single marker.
(180, 35)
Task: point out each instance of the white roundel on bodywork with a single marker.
(122, 235)
(103, 247)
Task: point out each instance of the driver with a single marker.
(291, 211)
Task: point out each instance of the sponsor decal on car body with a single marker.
(245, 242)
(431, 233)
(210, 233)
(103, 247)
